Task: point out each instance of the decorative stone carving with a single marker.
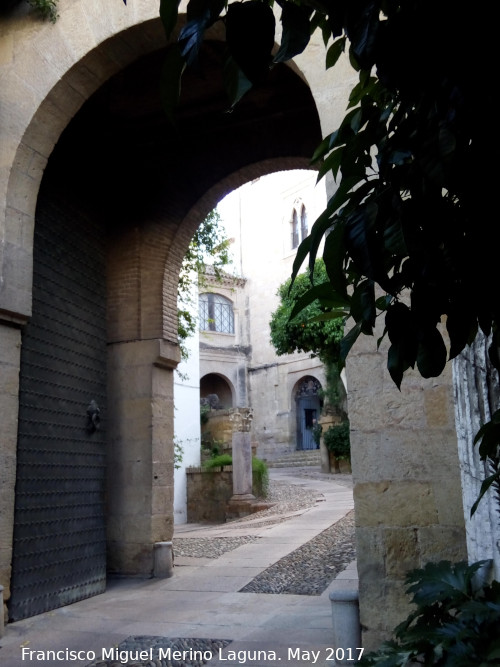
(241, 418)
(309, 386)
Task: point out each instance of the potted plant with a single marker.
(337, 442)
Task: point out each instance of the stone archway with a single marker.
(410, 504)
(143, 183)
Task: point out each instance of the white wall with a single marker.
(187, 421)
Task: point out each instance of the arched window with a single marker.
(303, 222)
(299, 224)
(216, 313)
(295, 229)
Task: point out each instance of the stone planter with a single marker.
(345, 466)
(339, 465)
(334, 463)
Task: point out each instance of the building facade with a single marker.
(267, 218)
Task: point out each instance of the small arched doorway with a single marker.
(217, 391)
(308, 407)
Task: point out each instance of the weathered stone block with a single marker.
(442, 543)
(438, 406)
(402, 551)
(162, 499)
(399, 454)
(162, 526)
(388, 503)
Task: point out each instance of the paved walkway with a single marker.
(202, 599)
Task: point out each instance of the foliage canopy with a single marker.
(307, 331)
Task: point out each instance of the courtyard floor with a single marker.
(208, 611)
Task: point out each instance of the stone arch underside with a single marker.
(217, 391)
(150, 176)
(145, 178)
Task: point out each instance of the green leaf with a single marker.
(431, 354)
(383, 302)
(302, 252)
(359, 240)
(396, 363)
(170, 81)
(460, 324)
(296, 31)
(168, 14)
(324, 294)
(325, 147)
(348, 341)
(201, 14)
(325, 220)
(335, 51)
(363, 34)
(236, 83)
(489, 434)
(332, 163)
(250, 30)
(334, 254)
(330, 315)
(439, 581)
(191, 37)
(399, 321)
(363, 306)
(400, 328)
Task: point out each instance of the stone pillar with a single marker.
(407, 491)
(242, 465)
(242, 498)
(10, 349)
(141, 452)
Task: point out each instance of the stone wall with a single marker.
(208, 492)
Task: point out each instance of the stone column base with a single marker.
(240, 505)
(163, 560)
(346, 625)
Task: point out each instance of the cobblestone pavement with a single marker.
(307, 570)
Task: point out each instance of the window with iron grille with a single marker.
(216, 313)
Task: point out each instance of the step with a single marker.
(308, 457)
